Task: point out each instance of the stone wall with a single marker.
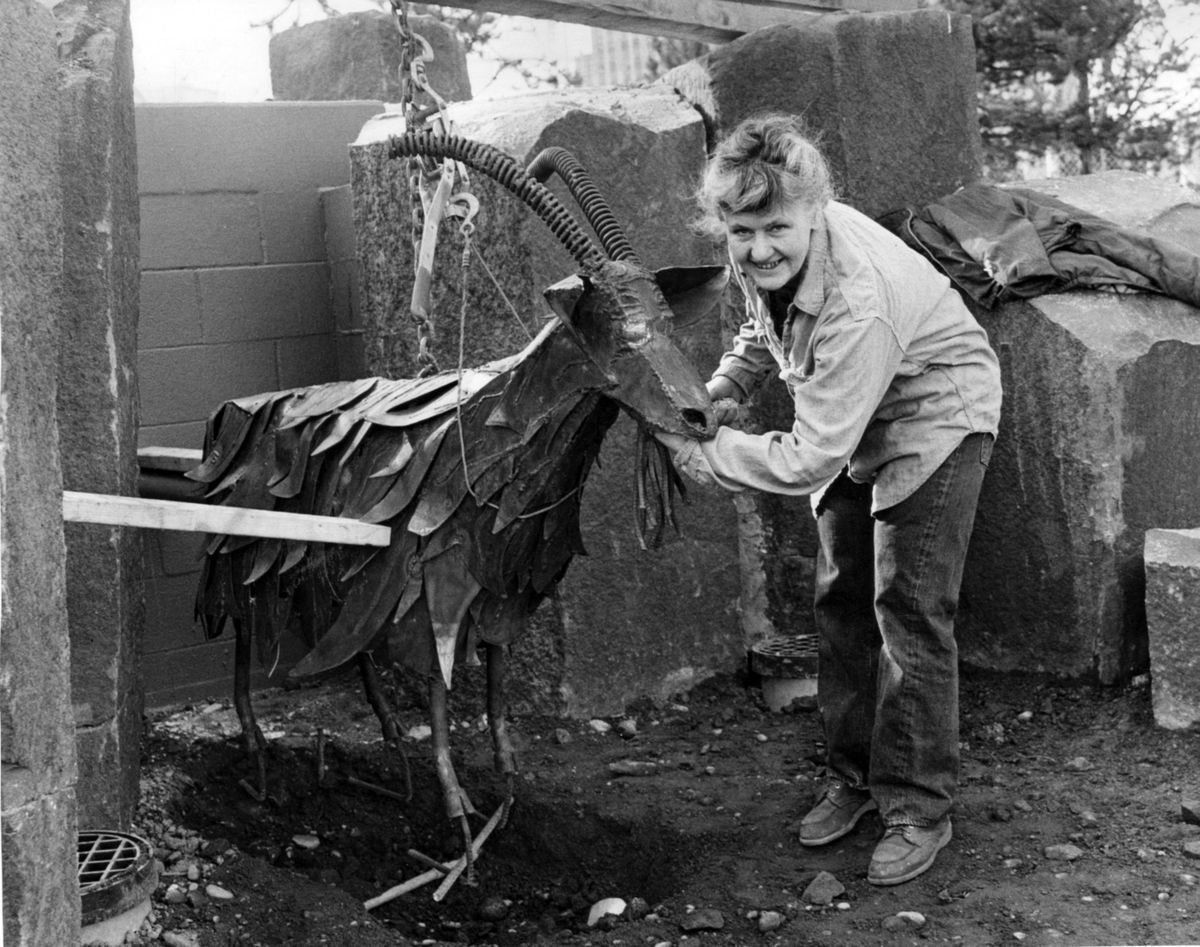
(239, 295)
(37, 792)
(625, 622)
(97, 398)
(1099, 437)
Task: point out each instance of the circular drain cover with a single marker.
(785, 656)
(115, 870)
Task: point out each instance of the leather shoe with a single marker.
(906, 851)
(835, 814)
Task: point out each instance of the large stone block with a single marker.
(37, 734)
(1099, 435)
(97, 395)
(891, 97)
(1173, 621)
(357, 56)
(625, 622)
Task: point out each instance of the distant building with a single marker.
(616, 59)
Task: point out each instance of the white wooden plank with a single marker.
(176, 459)
(708, 21)
(233, 521)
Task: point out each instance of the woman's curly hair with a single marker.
(768, 160)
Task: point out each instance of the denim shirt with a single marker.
(887, 368)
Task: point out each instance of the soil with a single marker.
(688, 812)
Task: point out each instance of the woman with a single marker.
(897, 399)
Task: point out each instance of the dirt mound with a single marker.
(1068, 828)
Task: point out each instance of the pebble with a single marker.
(307, 841)
(633, 768)
(421, 731)
(627, 727)
(1192, 849)
(600, 726)
(770, 921)
(1189, 810)
(1025, 716)
(705, 919)
(175, 895)
(494, 908)
(217, 893)
(903, 921)
(638, 908)
(181, 938)
(1186, 877)
(193, 872)
(1080, 764)
(605, 907)
(1022, 805)
(1065, 853)
(562, 736)
(823, 889)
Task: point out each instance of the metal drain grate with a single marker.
(785, 656)
(115, 871)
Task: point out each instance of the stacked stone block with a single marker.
(1099, 435)
(1173, 620)
(37, 734)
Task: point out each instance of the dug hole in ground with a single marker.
(1076, 824)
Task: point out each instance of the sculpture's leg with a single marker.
(252, 736)
(504, 755)
(458, 805)
(389, 722)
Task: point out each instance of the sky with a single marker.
(210, 51)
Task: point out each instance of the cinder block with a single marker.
(246, 146)
(188, 383)
(170, 309)
(337, 210)
(264, 302)
(292, 225)
(181, 434)
(204, 671)
(170, 610)
(310, 360)
(344, 296)
(193, 230)
(1173, 621)
(177, 553)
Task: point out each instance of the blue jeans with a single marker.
(886, 595)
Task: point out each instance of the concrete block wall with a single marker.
(238, 295)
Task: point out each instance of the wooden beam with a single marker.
(708, 21)
(232, 521)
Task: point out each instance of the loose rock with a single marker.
(494, 908)
(627, 727)
(823, 889)
(307, 841)
(633, 768)
(217, 893)
(1192, 849)
(181, 938)
(605, 907)
(705, 919)
(1064, 853)
(638, 908)
(600, 726)
(1190, 811)
(770, 921)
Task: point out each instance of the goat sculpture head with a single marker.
(620, 314)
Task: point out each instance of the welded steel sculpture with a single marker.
(478, 473)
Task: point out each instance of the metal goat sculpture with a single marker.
(478, 474)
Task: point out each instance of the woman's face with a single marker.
(770, 246)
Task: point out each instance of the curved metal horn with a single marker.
(593, 203)
(507, 173)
